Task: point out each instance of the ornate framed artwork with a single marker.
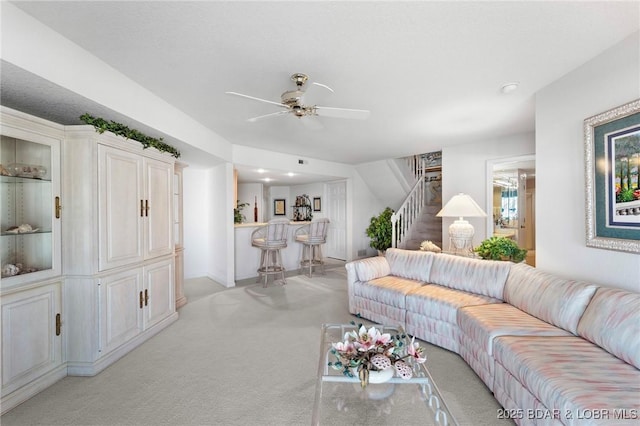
(317, 204)
(279, 207)
(612, 168)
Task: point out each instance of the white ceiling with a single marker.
(429, 72)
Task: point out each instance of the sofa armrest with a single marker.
(367, 269)
(364, 270)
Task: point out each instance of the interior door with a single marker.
(336, 246)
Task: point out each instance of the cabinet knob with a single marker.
(141, 300)
(146, 297)
(146, 207)
(141, 208)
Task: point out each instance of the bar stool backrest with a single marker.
(277, 232)
(318, 231)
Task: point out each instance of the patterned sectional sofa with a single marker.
(552, 350)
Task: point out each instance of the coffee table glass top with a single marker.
(341, 400)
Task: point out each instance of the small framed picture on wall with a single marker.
(279, 207)
(317, 204)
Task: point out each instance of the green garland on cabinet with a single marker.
(101, 125)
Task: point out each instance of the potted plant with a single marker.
(238, 217)
(501, 248)
(380, 230)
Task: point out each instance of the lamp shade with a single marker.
(461, 205)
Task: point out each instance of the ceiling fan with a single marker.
(293, 103)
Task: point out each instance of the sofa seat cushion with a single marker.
(555, 300)
(389, 290)
(484, 277)
(483, 323)
(442, 303)
(570, 374)
(612, 321)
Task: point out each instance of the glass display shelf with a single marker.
(29, 228)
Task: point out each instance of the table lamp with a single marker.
(460, 231)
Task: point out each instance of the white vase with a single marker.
(377, 376)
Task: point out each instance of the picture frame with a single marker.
(317, 204)
(279, 207)
(612, 184)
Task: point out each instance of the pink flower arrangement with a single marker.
(365, 350)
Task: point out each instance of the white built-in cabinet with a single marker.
(119, 265)
(30, 248)
(93, 274)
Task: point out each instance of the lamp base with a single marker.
(461, 238)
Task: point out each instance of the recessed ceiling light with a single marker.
(261, 170)
(267, 179)
(291, 174)
(509, 87)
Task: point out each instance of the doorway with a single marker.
(336, 245)
(511, 195)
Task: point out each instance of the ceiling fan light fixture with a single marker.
(293, 103)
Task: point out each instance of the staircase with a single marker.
(426, 227)
(416, 221)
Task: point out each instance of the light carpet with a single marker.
(241, 356)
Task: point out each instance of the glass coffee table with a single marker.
(341, 400)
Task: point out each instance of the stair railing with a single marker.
(408, 212)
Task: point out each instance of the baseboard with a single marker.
(29, 390)
(93, 368)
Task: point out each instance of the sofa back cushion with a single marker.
(485, 277)
(371, 268)
(410, 264)
(552, 299)
(612, 321)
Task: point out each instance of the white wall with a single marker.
(251, 193)
(362, 204)
(605, 82)
(464, 169)
(30, 45)
(195, 200)
(220, 262)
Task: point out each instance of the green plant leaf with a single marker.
(119, 129)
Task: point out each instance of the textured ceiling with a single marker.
(429, 72)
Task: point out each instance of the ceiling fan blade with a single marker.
(316, 92)
(311, 123)
(356, 114)
(273, 114)
(323, 86)
(256, 99)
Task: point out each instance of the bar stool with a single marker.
(312, 236)
(270, 238)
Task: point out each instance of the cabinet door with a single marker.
(159, 292)
(121, 209)
(29, 222)
(30, 345)
(158, 208)
(120, 308)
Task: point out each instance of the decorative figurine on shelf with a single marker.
(302, 209)
(9, 270)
